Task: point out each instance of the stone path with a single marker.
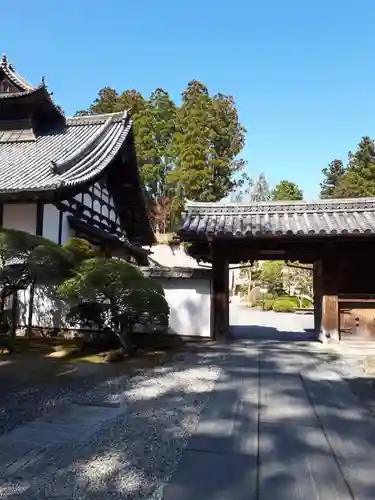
(279, 424)
(71, 423)
(265, 417)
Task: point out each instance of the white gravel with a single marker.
(136, 454)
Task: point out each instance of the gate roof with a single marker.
(341, 217)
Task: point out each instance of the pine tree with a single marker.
(286, 190)
(359, 181)
(333, 175)
(259, 189)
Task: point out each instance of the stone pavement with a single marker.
(264, 417)
(279, 424)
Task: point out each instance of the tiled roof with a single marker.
(13, 76)
(267, 219)
(176, 272)
(17, 135)
(64, 158)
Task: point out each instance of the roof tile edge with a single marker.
(341, 204)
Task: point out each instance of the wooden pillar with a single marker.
(331, 274)
(219, 294)
(318, 285)
(330, 318)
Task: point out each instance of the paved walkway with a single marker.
(279, 424)
(261, 418)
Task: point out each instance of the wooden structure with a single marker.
(337, 236)
(62, 177)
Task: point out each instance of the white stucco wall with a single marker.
(51, 218)
(190, 306)
(66, 231)
(21, 216)
(48, 312)
(167, 256)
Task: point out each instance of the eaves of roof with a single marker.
(13, 76)
(270, 219)
(63, 159)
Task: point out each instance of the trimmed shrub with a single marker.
(294, 300)
(284, 304)
(268, 304)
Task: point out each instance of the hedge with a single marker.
(282, 304)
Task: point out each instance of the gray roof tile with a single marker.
(62, 158)
(13, 76)
(324, 217)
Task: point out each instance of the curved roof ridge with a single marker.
(23, 93)
(60, 166)
(104, 141)
(13, 76)
(88, 119)
(336, 204)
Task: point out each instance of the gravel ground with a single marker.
(23, 402)
(136, 454)
(351, 369)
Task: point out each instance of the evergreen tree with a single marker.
(286, 190)
(359, 180)
(333, 175)
(207, 141)
(252, 190)
(259, 190)
(190, 151)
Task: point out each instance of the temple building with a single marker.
(62, 177)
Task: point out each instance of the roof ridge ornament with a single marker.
(4, 59)
(62, 165)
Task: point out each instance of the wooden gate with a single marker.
(357, 319)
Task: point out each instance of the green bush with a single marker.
(268, 304)
(284, 304)
(293, 299)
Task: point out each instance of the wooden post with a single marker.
(330, 318)
(219, 294)
(317, 284)
(331, 277)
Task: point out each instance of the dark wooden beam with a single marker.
(219, 294)
(61, 215)
(318, 296)
(39, 218)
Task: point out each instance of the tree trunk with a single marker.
(249, 287)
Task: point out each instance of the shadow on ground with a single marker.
(278, 424)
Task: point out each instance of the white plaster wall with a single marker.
(167, 256)
(48, 312)
(190, 306)
(51, 223)
(87, 200)
(23, 297)
(66, 231)
(105, 211)
(21, 216)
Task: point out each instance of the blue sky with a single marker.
(302, 73)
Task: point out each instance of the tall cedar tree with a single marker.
(207, 141)
(359, 180)
(189, 151)
(258, 189)
(286, 190)
(252, 190)
(333, 175)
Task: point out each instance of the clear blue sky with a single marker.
(302, 73)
